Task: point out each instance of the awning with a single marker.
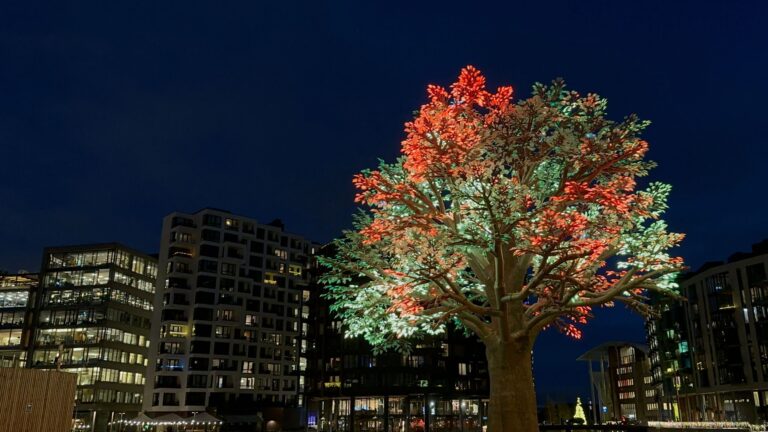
(138, 420)
(168, 419)
(204, 418)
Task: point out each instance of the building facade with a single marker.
(621, 384)
(92, 318)
(726, 313)
(227, 327)
(670, 356)
(440, 385)
(17, 299)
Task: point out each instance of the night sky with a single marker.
(113, 116)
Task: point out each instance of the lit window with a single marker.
(247, 383)
(463, 369)
(294, 269)
(251, 320)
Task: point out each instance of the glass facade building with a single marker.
(17, 298)
(92, 318)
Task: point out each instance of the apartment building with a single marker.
(726, 315)
(621, 384)
(92, 318)
(227, 325)
(670, 355)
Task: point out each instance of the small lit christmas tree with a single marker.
(579, 416)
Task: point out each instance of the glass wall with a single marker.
(14, 299)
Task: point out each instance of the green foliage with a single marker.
(504, 219)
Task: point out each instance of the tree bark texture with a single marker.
(512, 406)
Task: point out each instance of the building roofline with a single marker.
(596, 352)
(757, 250)
(96, 246)
(276, 223)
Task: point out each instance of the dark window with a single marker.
(203, 314)
(212, 220)
(252, 305)
(221, 348)
(243, 287)
(257, 247)
(217, 399)
(227, 284)
(202, 297)
(206, 282)
(182, 221)
(169, 399)
(200, 347)
(201, 330)
(755, 274)
(197, 381)
(173, 315)
(211, 236)
(234, 252)
(195, 398)
(208, 266)
(209, 251)
(176, 282)
(256, 261)
(180, 299)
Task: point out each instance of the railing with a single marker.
(594, 428)
(639, 428)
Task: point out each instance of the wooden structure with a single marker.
(33, 400)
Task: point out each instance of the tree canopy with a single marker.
(505, 217)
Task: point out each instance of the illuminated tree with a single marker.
(506, 219)
(579, 414)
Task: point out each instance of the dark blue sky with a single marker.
(112, 116)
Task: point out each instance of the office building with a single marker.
(17, 299)
(92, 318)
(227, 324)
(621, 385)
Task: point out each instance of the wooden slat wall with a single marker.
(34, 400)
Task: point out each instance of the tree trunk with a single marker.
(512, 405)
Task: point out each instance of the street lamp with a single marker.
(677, 384)
(428, 413)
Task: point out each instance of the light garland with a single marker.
(720, 425)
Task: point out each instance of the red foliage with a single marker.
(479, 140)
